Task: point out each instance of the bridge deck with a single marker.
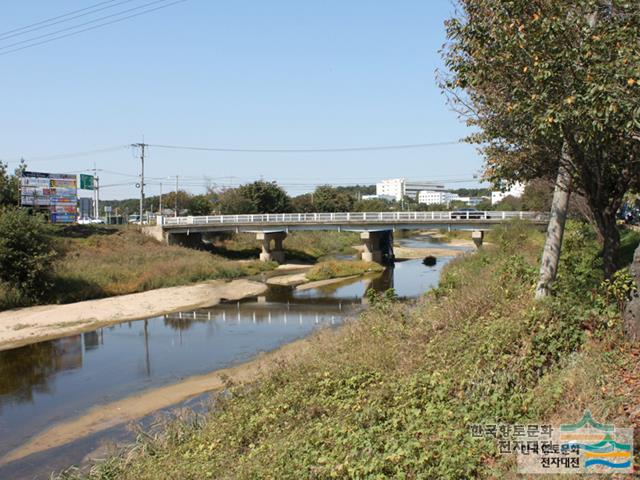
(357, 220)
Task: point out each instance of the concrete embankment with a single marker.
(24, 326)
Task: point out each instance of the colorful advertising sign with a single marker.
(56, 192)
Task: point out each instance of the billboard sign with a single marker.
(86, 182)
(57, 193)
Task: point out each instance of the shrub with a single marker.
(337, 269)
(26, 253)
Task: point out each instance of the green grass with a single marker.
(103, 262)
(307, 246)
(341, 268)
(392, 394)
(629, 240)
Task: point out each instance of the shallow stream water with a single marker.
(54, 381)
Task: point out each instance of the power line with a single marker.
(54, 18)
(90, 28)
(307, 150)
(85, 153)
(73, 27)
(51, 22)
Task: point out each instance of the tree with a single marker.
(26, 252)
(510, 204)
(537, 196)
(199, 205)
(266, 197)
(329, 199)
(302, 204)
(233, 202)
(10, 184)
(169, 200)
(373, 205)
(553, 84)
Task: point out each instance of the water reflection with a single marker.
(26, 371)
(51, 381)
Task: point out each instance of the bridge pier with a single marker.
(275, 254)
(377, 246)
(477, 236)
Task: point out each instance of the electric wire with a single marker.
(307, 150)
(51, 23)
(93, 27)
(73, 27)
(55, 18)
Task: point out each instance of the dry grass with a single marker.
(106, 262)
(341, 268)
(308, 246)
(391, 395)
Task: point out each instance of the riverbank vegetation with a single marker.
(342, 268)
(77, 262)
(305, 246)
(42, 263)
(393, 393)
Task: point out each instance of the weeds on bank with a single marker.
(392, 394)
(126, 261)
(338, 269)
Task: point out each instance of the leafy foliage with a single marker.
(330, 199)
(341, 268)
(199, 205)
(537, 76)
(256, 197)
(9, 185)
(26, 253)
(392, 394)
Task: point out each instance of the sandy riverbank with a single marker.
(103, 417)
(23, 326)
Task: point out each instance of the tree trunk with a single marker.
(555, 230)
(610, 242)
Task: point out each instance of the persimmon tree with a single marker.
(553, 87)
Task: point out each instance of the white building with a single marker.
(436, 197)
(516, 191)
(393, 187)
(398, 188)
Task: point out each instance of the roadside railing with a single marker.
(352, 217)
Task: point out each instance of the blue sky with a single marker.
(240, 73)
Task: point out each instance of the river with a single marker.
(54, 381)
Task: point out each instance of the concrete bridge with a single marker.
(375, 228)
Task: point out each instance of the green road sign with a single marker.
(86, 182)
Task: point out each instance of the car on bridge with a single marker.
(468, 214)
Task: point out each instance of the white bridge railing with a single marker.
(353, 217)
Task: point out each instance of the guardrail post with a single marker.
(503, 215)
(521, 215)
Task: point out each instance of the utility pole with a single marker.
(141, 146)
(175, 213)
(160, 205)
(96, 194)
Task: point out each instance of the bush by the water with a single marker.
(26, 254)
(392, 395)
(341, 268)
(84, 262)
